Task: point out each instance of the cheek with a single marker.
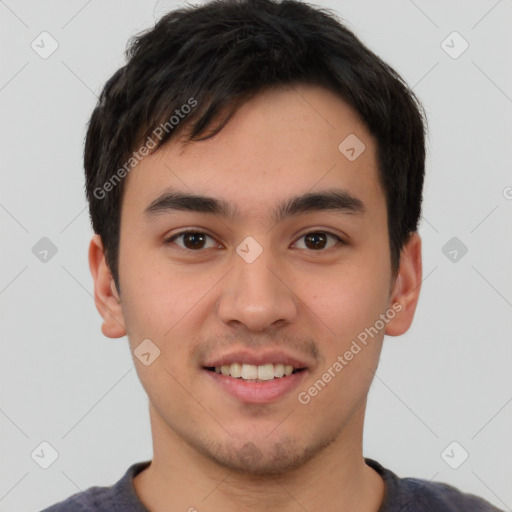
(152, 297)
(163, 303)
(155, 309)
(345, 299)
(345, 312)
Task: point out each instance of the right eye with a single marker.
(192, 240)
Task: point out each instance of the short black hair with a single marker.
(214, 57)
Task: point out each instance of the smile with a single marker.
(255, 390)
(255, 373)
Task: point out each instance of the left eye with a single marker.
(317, 240)
(196, 240)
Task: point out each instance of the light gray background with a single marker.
(448, 379)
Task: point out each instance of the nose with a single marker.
(258, 295)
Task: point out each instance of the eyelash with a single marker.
(339, 240)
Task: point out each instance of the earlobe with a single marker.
(406, 291)
(106, 297)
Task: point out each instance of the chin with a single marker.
(275, 458)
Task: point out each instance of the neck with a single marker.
(336, 479)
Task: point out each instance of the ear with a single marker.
(106, 298)
(406, 289)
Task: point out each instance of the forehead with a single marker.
(282, 143)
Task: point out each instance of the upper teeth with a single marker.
(251, 371)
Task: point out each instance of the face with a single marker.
(258, 284)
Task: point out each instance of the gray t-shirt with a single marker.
(401, 495)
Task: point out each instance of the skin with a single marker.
(282, 143)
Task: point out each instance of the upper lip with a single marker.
(257, 359)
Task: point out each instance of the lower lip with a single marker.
(258, 392)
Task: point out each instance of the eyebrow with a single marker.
(333, 199)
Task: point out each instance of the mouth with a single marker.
(255, 384)
(255, 373)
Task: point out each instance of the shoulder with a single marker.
(93, 499)
(444, 497)
(120, 497)
(424, 496)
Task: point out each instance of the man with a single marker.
(255, 179)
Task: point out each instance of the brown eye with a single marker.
(191, 240)
(315, 240)
(318, 240)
